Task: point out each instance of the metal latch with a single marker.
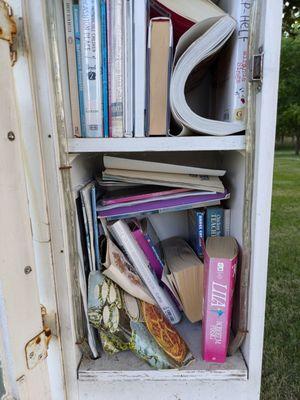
(8, 28)
(257, 66)
(36, 349)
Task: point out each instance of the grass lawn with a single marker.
(281, 364)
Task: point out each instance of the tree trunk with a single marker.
(297, 146)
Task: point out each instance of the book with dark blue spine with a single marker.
(197, 230)
(79, 67)
(103, 12)
(214, 222)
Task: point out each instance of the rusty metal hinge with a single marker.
(8, 28)
(36, 350)
(257, 68)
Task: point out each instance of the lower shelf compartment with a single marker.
(126, 366)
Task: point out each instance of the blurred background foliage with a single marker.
(288, 123)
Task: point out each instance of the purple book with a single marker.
(181, 203)
(147, 246)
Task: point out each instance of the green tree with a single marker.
(289, 90)
(291, 17)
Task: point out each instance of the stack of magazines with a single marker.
(130, 276)
(155, 68)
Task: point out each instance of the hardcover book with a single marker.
(160, 43)
(220, 263)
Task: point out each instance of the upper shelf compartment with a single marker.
(126, 145)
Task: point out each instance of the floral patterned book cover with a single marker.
(126, 323)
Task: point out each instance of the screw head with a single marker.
(27, 269)
(11, 136)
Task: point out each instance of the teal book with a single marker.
(214, 222)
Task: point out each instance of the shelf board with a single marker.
(126, 145)
(126, 366)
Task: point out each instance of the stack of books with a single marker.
(135, 66)
(120, 249)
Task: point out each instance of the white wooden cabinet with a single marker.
(41, 169)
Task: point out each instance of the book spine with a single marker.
(79, 67)
(95, 227)
(116, 52)
(241, 13)
(71, 56)
(140, 42)
(200, 215)
(219, 279)
(126, 240)
(128, 68)
(89, 12)
(214, 222)
(103, 11)
(145, 244)
(227, 217)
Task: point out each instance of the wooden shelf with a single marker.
(126, 145)
(126, 366)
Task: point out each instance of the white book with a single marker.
(197, 182)
(150, 166)
(124, 237)
(233, 69)
(199, 44)
(140, 52)
(116, 54)
(227, 218)
(71, 55)
(90, 40)
(128, 68)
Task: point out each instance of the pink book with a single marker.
(139, 194)
(146, 238)
(220, 262)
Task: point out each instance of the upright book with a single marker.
(104, 66)
(71, 55)
(231, 93)
(214, 222)
(116, 55)
(126, 240)
(160, 41)
(220, 262)
(140, 50)
(79, 67)
(90, 39)
(128, 68)
(196, 220)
